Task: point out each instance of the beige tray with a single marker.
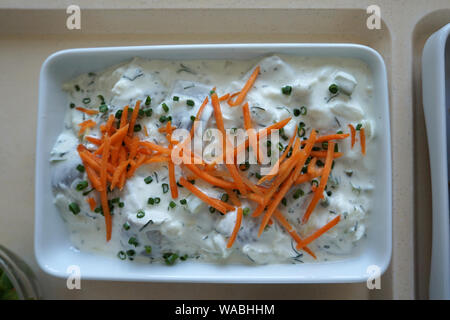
(27, 37)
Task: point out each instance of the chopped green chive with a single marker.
(224, 197)
(296, 112)
(172, 204)
(258, 175)
(303, 111)
(190, 103)
(287, 90)
(131, 252)
(333, 88)
(148, 100)
(82, 185)
(192, 118)
(98, 210)
(151, 201)
(165, 187)
(246, 211)
(121, 255)
(121, 204)
(176, 98)
(74, 208)
(118, 114)
(80, 168)
(87, 100)
(170, 258)
(157, 200)
(77, 87)
(284, 201)
(103, 108)
(72, 105)
(148, 180)
(162, 119)
(141, 113)
(165, 107)
(133, 241)
(115, 200)
(140, 214)
(102, 98)
(183, 201)
(340, 132)
(126, 226)
(358, 126)
(148, 249)
(184, 257)
(301, 131)
(298, 193)
(137, 127)
(148, 112)
(212, 209)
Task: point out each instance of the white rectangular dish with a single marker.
(436, 98)
(52, 245)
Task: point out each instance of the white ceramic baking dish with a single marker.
(436, 100)
(52, 246)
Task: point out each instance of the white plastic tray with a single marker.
(435, 74)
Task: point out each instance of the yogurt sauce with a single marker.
(190, 230)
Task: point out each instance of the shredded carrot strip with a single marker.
(220, 125)
(209, 178)
(286, 225)
(109, 123)
(362, 136)
(319, 232)
(289, 182)
(145, 131)
(236, 228)
(217, 204)
(248, 85)
(337, 136)
(124, 117)
(224, 97)
(116, 176)
(134, 117)
(93, 140)
(279, 161)
(92, 203)
(103, 195)
(318, 194)
(155, 147)
(155, 159)
(252, 135)
(85, 125)
(87, 111)
(233, 197)
(164, 129)
(323, 154)
(353, 133)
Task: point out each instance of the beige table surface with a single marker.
(407, 24)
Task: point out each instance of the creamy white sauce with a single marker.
(192, 229)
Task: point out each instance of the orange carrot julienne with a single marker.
(224, 97)
(279, 161)
(289, 181)
(116, 176)
(106, 213)
(252, 135)
(248, 85)
(319, 232)
(288, 227)
(91, 202)
(236, 228)
(104, 165)
(93, 140)
(197, 192)
(353, 133)
(87, 111)
(362, 136)
(209, 178)
(318, 193)
(85, 125)
(124, 117)
(134, 117)
(336, 136)
(233, 197)
(155, 147)
(323, 154)
(220, 125)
